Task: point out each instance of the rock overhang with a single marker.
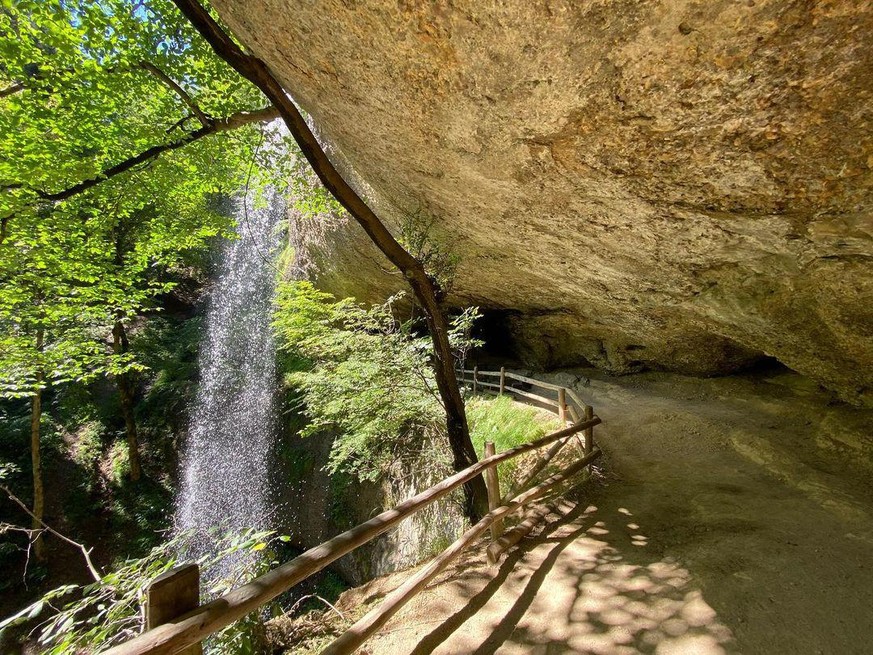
(679, 185)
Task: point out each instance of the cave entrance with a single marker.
(494, 328)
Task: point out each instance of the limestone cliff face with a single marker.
(676, 184)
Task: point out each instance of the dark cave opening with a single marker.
(494, 329)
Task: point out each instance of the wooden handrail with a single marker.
(367, 626)
(580, 412)
(552, 402)
(364, 628)
(493, 374)
(515, 376)
(195, 626)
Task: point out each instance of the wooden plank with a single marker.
(489, 385)
(354, 637)
(172, 595)
(207, 619)
(520, 392)
(536, 469)
(574, 415)
(492, 374)
(562, 404)
(492, 482)
(575, 398)
(502, 379)
(475, 378)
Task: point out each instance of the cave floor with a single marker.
(733, 515)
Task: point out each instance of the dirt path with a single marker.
(735, 516)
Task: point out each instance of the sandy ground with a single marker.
(734, 516)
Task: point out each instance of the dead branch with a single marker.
(86, 552)
(12, 89)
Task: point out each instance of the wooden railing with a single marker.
(576, 410)
(183, 631)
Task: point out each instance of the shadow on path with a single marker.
(585, 584)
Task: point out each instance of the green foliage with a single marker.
(507, 424)
(92, 618)
(416, 236)
(361, 372)
(119, 463)
(168, 347)
(89, 89)
(308, 196)
(14, 435)
(88, 450)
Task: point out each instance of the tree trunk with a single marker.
(125, 392)
(36, 460)
(423, 286)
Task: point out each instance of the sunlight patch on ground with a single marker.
(585, 584)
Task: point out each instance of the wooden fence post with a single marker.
(588, 435)
(171, 595)
(492, 482)
(475, 378)
(502, 380)
(562, 404)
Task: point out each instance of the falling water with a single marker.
(224, 483)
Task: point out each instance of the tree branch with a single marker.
(86, 552)
(426, 291)
(215, 126)
(179, 123)
(11, 89)
(218, 125)
(178, 90)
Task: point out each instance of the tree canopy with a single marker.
(122, 132)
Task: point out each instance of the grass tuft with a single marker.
(508, 424)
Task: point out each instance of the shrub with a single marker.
(362, 372)
(92, 618)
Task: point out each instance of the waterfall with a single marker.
(225, 464)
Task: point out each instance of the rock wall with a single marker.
(680, 185)
(313, 507)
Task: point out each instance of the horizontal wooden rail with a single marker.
(499, 546)
(515, 376)
(536, 469)
(493, 374)
(576, 410)
(505, 388)
(195, 626)
(533, 396)
(581, 404)
(527, 394)
(355, 636)
(505, 375)
(490, 385)
(534, 382)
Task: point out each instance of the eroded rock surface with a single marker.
(681, 185)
